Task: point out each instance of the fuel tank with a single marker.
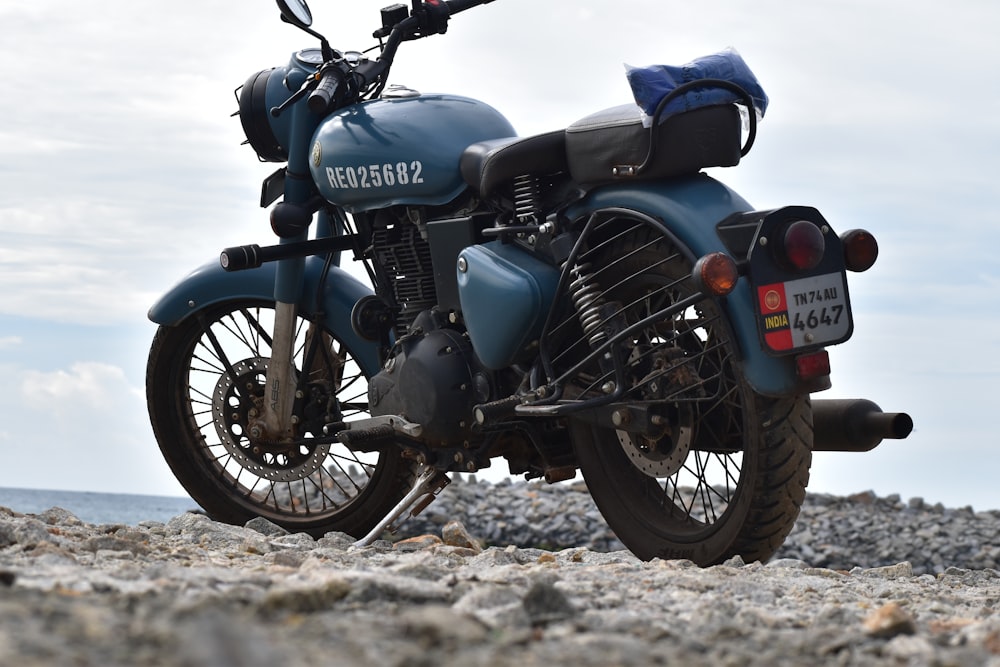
(400, 150)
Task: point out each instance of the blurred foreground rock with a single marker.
(196, 592)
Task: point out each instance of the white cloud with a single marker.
(82, 428)
(7, 342)
(15, 144)
(88, 389)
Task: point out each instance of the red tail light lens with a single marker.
(860, 249)
(803, 245)
(813, 365)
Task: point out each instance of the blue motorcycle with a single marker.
(585, 299)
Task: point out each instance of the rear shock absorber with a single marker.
(601, 319)
(589, 303)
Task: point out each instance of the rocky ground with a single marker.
(862, 581)
(862, 530)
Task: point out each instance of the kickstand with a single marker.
(429, 483)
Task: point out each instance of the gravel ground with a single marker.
(195, 592)
(839, 533)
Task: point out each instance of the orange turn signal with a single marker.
(716, 274)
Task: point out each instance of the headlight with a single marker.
(259, 94)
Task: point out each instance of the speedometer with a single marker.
(313, 57)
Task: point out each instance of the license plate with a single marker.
(806, 312)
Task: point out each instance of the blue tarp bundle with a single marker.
(651, 84)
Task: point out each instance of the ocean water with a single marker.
(98, 507)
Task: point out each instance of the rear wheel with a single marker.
(204, 383)
(726, 471)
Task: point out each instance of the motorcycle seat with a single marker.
(601, 147)
(487, 165)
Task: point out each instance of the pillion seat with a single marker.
(611, 145)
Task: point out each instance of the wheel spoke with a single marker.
(682, 483)
(225, 366)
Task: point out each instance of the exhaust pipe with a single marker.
(855, 425)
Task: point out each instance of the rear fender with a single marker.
(690, 208)
(210, 284)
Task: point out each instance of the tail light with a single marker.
(860, 249)
(802, 245)
(813, 365)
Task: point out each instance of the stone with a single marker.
(265, 527)
(544, 604)
(440, 626)
(417, 543)
(889, 621)
(495, 607)
(455, 534)
(306, 597)
(897, 571)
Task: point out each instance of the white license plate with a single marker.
(804, 312)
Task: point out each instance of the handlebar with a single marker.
(456, 6)
(321, 99)
(428, 17)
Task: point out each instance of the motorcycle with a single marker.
(586, 299)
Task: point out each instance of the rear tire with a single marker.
(199, 416)
(728, 473)
(691, 515)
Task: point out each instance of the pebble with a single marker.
(835, 532)
(522, 574)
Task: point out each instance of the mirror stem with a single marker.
(324, 45)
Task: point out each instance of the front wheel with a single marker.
(204, 383)
(726, 472)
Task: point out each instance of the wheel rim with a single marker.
(695, 470)
(305, 480)
(231, 414)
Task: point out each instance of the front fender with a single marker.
(211, 284)
(690, 208)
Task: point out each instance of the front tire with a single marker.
(199, 414)
(727, 474)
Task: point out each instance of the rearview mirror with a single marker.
(296, 12)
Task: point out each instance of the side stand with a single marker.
(429, 483)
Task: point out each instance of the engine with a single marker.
(404, 257)
(433, 379)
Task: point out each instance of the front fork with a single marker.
(276, 418)
(279, 395)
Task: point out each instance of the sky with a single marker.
(121, 170)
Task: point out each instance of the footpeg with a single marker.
(486, 413)
(368, 435)
(429, 483)
(368, 439)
